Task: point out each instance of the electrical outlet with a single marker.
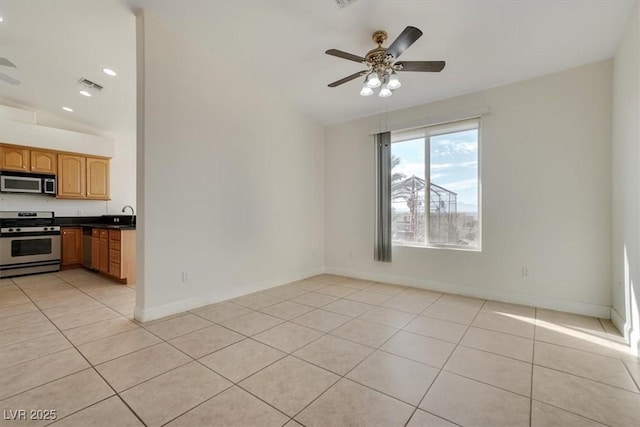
(525, 271)
(185, 276)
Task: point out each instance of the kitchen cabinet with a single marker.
(43, 162)
(97, 178)
(25, 160)
(71, 238)
(81, 177)
(114, 253)
(71, 176)
(100, 250)
(15, 159)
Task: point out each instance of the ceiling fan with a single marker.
(382, 63)
(5, 77)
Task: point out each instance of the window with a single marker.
(435, 195)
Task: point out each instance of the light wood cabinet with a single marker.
(15, 159)
(71, 176)
(114, 253)
(79, 176)
(95, 249)
(25, 160)
(43, 162)
(82, 177)
(97, 178)
(71, 246)
(122, 255)
(100, 249)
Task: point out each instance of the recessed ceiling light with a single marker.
(85, 93)
(68, 109)
(109, 72)
(1, 19)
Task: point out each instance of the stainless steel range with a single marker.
(29, 243)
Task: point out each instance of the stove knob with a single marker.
(45, 229)
(17, 229)
(10, 230)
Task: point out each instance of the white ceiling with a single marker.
(282, 44)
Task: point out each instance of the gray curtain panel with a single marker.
(382, 250)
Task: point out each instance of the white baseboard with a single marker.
(620, 323)
(152, 313)
(595, 310)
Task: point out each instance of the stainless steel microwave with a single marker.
(17, 182)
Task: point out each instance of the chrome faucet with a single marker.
(133, 213)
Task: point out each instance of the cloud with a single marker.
(409, 169)
(442, 165)
(438, 166)
(461, 185)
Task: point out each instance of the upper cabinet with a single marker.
(43, 162)
(82, 177)
(71, 176)
(97, 178)
(14, 159)
(79, 176)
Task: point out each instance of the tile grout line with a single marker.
(442, 368)
(324, 333)
(148, 379)
(286, 354)
(344, 377)
(91, 366)
(296, 357)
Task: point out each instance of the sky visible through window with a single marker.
(454, 165)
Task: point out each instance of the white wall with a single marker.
(626, 183)
(232, 178)
(55, 133)
(545, 196)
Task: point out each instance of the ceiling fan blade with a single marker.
(8, 79)
(404, 40)
(6, 62)
(430, 66)
(345, 55)
(348, 79)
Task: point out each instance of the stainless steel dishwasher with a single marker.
(86, 246)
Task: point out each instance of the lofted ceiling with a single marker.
(281, 44)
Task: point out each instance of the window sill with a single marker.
(440, 247)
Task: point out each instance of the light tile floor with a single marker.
(324, 351)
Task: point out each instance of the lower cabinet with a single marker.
(71, 250)
(114, 253)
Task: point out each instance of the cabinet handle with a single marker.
(64, 232)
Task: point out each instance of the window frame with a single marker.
(427, 162)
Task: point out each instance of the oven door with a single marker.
(29, 249)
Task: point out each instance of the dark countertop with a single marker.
(110, 226)
(107, 221)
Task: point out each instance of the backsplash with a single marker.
(61, 207)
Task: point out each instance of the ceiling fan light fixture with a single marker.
(394, 82)
(385, 91)
(373, 80)
(366, 90)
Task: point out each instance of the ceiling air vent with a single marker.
(89, 84)
(344, 3)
